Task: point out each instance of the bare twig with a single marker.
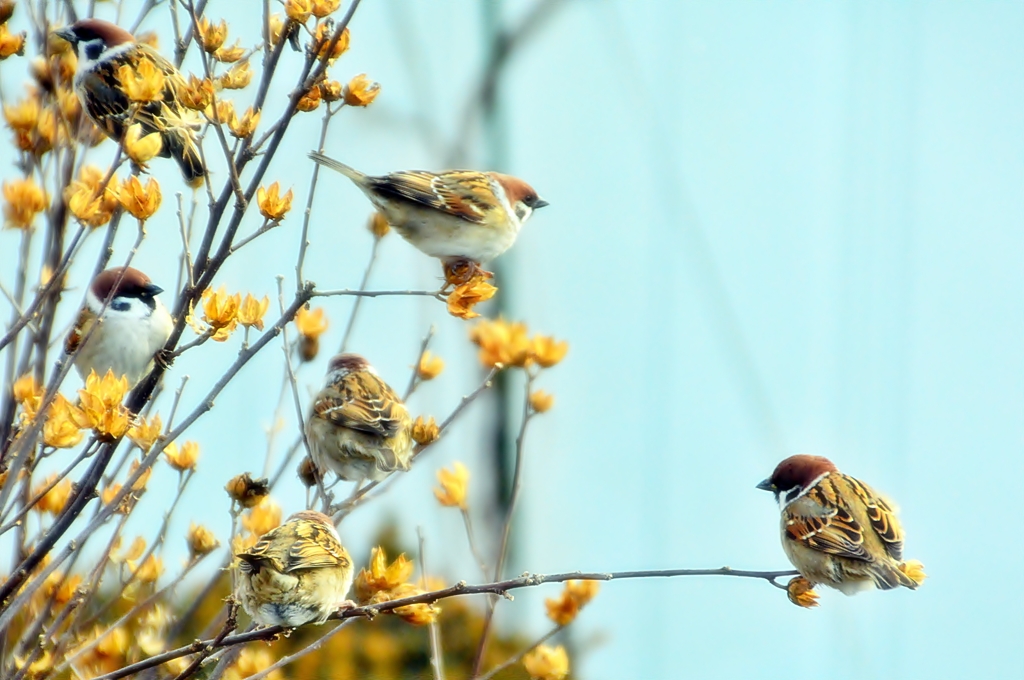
(461, 588)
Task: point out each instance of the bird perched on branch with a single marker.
(132, 329)
(462, 217)
(103, 49)
(359, 427)
(836, 530)
(295, 574)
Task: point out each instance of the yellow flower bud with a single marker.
(200, 540)
(142, 149)
(454, 485)
(182, 459)
(429, 366)
(541, 401)
(212, 36)
(140, 202)
(246, 491)
(425, 431)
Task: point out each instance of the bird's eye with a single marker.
(93, 50)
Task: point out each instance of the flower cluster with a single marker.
(509, 344)
(222, 313)
(383, 582)
(100, 406)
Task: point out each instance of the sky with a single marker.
(775, 228)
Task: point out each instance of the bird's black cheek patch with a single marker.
(93, 50)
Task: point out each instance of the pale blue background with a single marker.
(774, 228)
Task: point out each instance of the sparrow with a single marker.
(102, 48)
(836, 530)
(359, 428)
(295, 574)
(459, 216)
(133, 329)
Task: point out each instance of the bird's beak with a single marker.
(153, 289)
(539, 203)
(67, 34)
(766, 485)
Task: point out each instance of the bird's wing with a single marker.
(462, 193)
(79, 330)
(107, 104)
(821, 521)
(295, 546)
(361, 401)
(881, 516)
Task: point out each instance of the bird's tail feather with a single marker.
(185, 151)
(337, 166)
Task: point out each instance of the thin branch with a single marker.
(501, 588)
(359, 299)
(518, 657)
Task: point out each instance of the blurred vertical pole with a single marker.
(495, 142)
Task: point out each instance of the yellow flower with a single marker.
(298, 10)
(197, 93)
(212, 36)
(23, 200)
(142, 84)
(62, 589)
(251, 661)
(429, 366)
(55, 499)
(141, 203)
(563, 609)
(246, 491)
(331, 90)
(378, 225)
(311, 322)
(88, 201)
(220, 310)
(143, 479)
(582, 591)
(380, 575)
(322, 8)
(425, 431)
(11, 43)
(309, 101)
(547, 663)
(272, 205)
(220, 112)
(420, 614)
(322, 38)
(149, 571)
(22, 118)
(26, 388)
(262, 518)
(244, 126)
(60, 430)
(462, 300)
(182, 459)
(238, 77)
(200, 540)
(454, 484)
(541, 401)
(142, 149)
(501, 342)
(144, 434)
(800, 592)
(251, 311)
(547, 351)
(276, 29)
(361, 91)
(230, 55)
(100, 406)
(914, 571)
